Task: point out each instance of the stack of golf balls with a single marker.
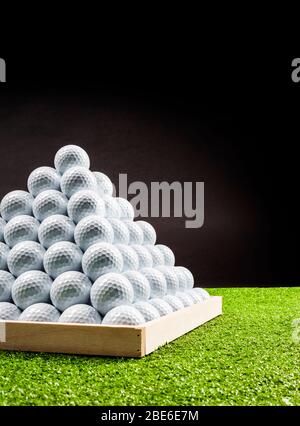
(71, 252)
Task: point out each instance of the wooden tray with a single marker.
(90, 339)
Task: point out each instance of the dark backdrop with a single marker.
(173, 116)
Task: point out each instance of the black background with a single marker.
(174, 107)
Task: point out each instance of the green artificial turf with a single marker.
(245, 357)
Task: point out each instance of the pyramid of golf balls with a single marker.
(71, 252)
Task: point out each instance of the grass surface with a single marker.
(245, 357)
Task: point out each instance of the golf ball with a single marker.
(157, 282)
(140, 285)
(112, 209)
(21, 228)
(91, 230)
(171, 278)
(2, 226)
(121, 233)
(111, 290)
(9, 311)
(70, 156)
(130, 258)
(48, 203)
(77, 179)
(168, 254)
(174, 302)
(62, 257)
(40, 312)
(148, 232)
(4, 252)
(162, 306)
(145, 258)
(189, 278)
(182, 280)
(43, 178)
(80, 314)
(123, 315)
(126, 209)
(185, 298)
(104, 184)
(30, 288)
(136, 236)
(6, 282)
(157, 257)
(200, 291)
(148, 311)
(25, 256)
(16, 203)
(85, 203)
(101, 258)
(54, 229)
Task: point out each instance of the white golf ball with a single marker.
(168, 254)
(42, 179)
(121, 233)
(145, 258)
(148, 232)
(130, 258)
(101, 258)
(104, 184)
(140, 284)
(9, 311)
(189, 278)
(157, 256)
(40, 312)
(2, 226)
(54, 229)
(201, 292)
(171, 278)
(123, 315)
(182, 279)
(174, 302)
(62, 257)
(6, 282)
(185, 298)
(126, 209)
(80, 314)
(70, 288)
(112, 209)
(70, 156)
(162, 306)
(4, 252)
(31, 287)
(21, 228)
(136, 236)
(85, 203)
(48, 203)
(148, 311)
(91, 230)
(111, 290)
(25, 256)
(157, 282)
(16, 203)
(77, 179)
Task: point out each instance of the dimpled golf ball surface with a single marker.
(112, 209)
(2, 226)
(40, 312)
(126, 209)
(156, 280)
(111, 290)
(6, 282)
(54, 229)
(185, 298)
(203, 293)
(77, 179)
(136, 236)
(91, 230)
(70, 288)
(174, 302)
(62, 257)
(168, 254)
(70, 156)
(140, 285)
(80, 314)
(16, 203)
(182, 280)
(48, 203)
(4, 252)
(145, 258)
(123, 315)
(148, 311)
(43, 178)
(101, 258)
(25, 256)
(195, 296)
(157, 256)
(85, 203)
(121, 233)
(9, 311)
(104, 184)
(162, 306)
(148, 232)
(30, 288)
(189, 278)
(130, 258)
(21, 228)
(171, 278)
